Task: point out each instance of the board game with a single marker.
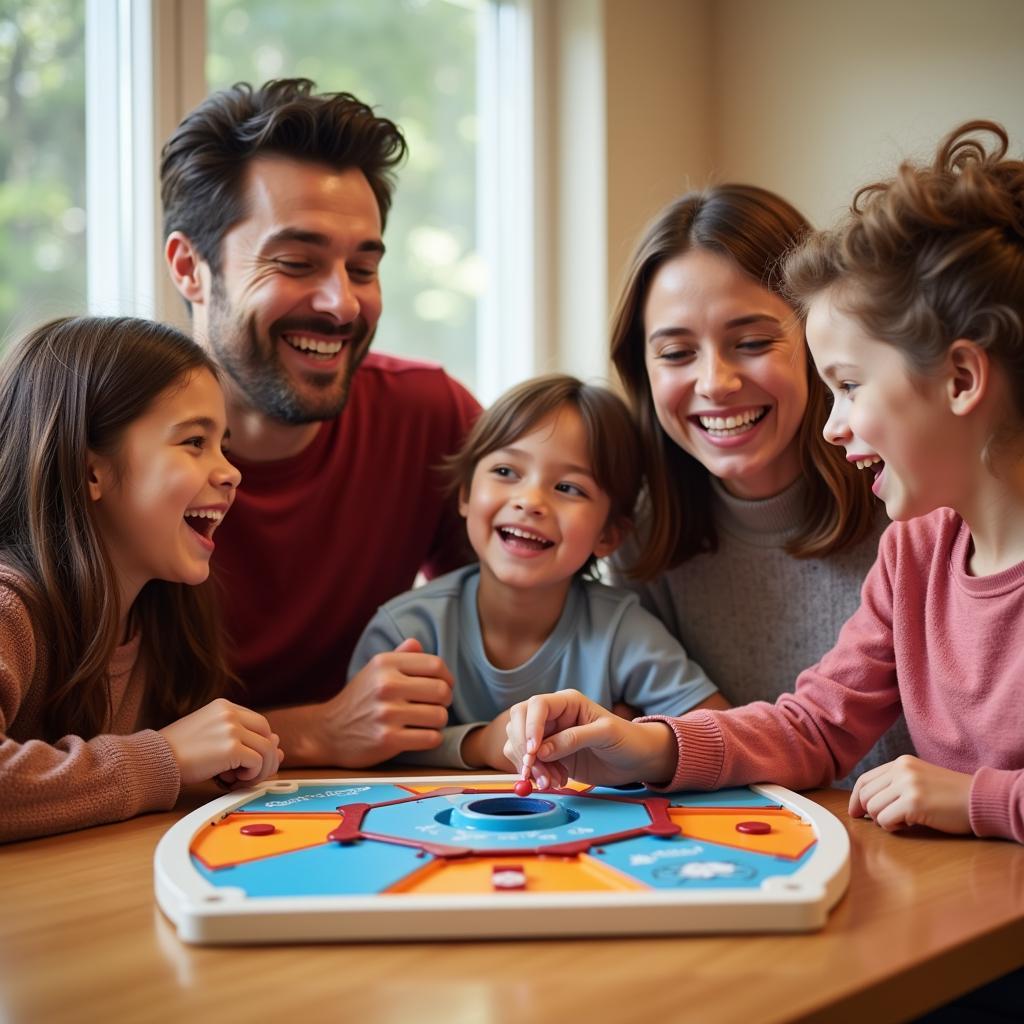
(465, 857)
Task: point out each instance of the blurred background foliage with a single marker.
(42, 160)
(413, 60)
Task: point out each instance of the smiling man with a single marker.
(275, 201)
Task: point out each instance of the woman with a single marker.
(756, 534)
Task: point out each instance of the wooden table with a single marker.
(926, 918)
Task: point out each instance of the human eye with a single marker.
(847, 387)
(567, 487)
(363, 273)
(196, 441)
(502, 471)
(675, 355)
(293, 264)
(755, 345)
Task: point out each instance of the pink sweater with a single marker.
(946, 647)
(74, 782)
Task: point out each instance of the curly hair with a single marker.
(932, 255)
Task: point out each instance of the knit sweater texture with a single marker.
(753, 616)
(929, 639)
(74, 782)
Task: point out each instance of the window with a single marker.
(42, 161)
(414, 61)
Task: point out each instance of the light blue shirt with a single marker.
(604, 644)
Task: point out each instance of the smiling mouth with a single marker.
(518, 537)
(317, 348)
(730, 426)
(874, 463)
(203, 521)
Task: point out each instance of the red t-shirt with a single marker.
(315, 543)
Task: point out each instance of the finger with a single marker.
(419, 716)
(561, 745)
(876, 804)
(541, 710)
(894, 815)
(419, 739)
(402, 689)
(428, 666)
(252, 720)
(866, 788)
(256, 752)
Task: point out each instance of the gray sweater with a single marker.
(752, 616)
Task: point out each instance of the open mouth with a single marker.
(203, 521)
(317, 348)
(873, 463)
(730, 426)
(517, 537)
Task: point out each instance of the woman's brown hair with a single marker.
(933, 255)
(69, 388)
(755, 229)
(612, 441)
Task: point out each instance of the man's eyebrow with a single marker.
(317, 238)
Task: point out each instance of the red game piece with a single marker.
(259, 828)
(524, 787)
(754, 828)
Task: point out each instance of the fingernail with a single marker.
(545, 751)
(531, 745)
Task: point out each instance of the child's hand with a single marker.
(225, 740)
(483, 747)
(565, 735)
(909, 791)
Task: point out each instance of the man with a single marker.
(275, 200)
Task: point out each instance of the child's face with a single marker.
(534, 512)
(892, 422)
(160, 498)
(727, 368)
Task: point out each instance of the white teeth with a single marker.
(524, 534)
(305, 344)
(205, 513)
(867, 463)
(720, 423)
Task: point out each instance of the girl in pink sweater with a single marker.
(113, 479)
(915, 319)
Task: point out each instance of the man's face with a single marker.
(294, 308)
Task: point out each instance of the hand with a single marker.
(565, 735)
(397, 702)
(909, 791)
(482, 748)
(224, 740)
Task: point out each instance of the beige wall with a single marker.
(810, 98)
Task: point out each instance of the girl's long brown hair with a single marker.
(70, 387)
(755, 229)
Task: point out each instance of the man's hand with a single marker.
(565, 735)
(482, 748)
(909, 791)
(397, 702)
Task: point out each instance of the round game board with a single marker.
(448, 857)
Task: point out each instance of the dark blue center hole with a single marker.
(507, 806)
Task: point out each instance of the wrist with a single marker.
(661, 753)
(302, 736)
(471, 749)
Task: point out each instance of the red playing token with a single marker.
(524, 787)
(754, 828)
(258, 829)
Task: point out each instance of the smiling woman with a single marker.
(755, 533)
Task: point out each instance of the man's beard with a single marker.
(253, 363)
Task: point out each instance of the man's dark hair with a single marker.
(203, 163)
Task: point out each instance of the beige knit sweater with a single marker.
(75, 782)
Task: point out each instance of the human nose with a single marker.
(718, 377)
(837, 428)
(225, 475)
(336, 296)
(529, 499)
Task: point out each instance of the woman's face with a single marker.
(727, 365)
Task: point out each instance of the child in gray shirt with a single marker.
(547, 482)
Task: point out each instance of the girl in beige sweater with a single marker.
(113, 479)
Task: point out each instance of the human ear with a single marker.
(611, 537)
(98, 475)
(968, 368)
(185, 267)
(463, 501)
